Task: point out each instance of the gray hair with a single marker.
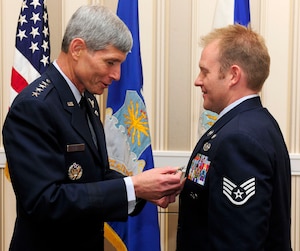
(98, 27)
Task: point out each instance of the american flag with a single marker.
(32, 49)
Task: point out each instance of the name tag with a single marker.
(76, 148)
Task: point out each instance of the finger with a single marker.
(178, 174)
(163, 202)
(169, 170)
(172, 198)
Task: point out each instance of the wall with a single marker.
(169, 31)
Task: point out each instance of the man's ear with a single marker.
(76, 47)
(235, 74)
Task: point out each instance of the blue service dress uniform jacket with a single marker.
(64, 187)
(237, 194)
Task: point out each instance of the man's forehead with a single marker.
(211, 51)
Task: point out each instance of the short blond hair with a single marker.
(240, 45)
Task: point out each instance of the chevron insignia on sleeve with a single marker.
(239, 194)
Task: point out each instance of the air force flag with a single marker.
(227, 12)
(128, 139)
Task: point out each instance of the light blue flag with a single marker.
(227, 12)
(128, 137)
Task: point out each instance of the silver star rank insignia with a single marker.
(238, 194)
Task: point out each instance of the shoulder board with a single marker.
(42, 87)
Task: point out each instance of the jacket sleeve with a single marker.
(240, 194)
(35, 135)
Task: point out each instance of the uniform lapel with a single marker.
(248, 104)
(70, 105)
(79, 123)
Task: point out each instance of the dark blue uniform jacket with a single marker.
(63, 185)
(237, 195)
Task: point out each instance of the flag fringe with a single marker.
(6, 172)
(114, 238)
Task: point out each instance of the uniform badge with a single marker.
(206, 146)
(92, 103)
(41, 87)
(75, 171)
(210, 133)
(193, 195)
(76, 148)
(239, 194)
(199, 169)
(215, 135)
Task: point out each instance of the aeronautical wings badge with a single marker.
(239, 195)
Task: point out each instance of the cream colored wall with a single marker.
(169, 31)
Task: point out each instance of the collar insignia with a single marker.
(92, 102)
(210, 133)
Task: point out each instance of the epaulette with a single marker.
(42, 88)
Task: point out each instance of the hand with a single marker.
(166, 200)
(156, 183)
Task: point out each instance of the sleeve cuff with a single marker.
(130, 194)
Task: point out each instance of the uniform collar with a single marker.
(73, 88)
(235, 103)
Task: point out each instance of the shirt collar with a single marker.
(235, 103)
